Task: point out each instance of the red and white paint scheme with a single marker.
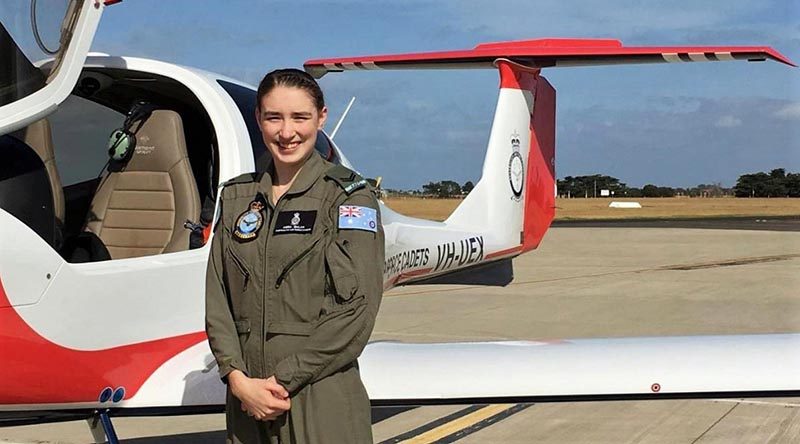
(128, 334)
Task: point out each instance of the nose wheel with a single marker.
(102, 429)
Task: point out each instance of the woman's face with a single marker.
(289, 122)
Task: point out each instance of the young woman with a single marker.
(294, 281)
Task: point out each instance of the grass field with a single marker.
(572, 209)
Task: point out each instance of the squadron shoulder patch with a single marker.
(249, 223)
(353, 217)
(346, 178)
(242, 178)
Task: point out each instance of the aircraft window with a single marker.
(28, 33)
(80, 132)
(25, 189)
(245, 99)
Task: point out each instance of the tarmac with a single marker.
(584, 281)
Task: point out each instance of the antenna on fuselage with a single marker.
(341, 119)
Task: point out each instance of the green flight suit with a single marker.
(297, 300)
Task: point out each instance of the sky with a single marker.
(669, 124)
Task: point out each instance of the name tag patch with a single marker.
(353, 217)
(295, 222)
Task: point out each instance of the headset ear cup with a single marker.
(113, 141)
(131, 146)
(121, 144)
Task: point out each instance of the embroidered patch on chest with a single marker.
(295, 222)
(249, 222)
(353, 217)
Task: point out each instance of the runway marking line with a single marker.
(431, 425)
(483, 424)
(457, 425)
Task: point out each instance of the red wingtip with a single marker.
(779, 57)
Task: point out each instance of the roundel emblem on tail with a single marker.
(516, 167)
(516, 174)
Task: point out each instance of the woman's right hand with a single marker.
(263, 399)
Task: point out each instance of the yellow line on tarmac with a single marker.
(458, 424)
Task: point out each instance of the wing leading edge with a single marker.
(547, 53)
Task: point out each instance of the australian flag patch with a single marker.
(353, 217)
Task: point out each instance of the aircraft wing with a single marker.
(582, 369)
(546, 53)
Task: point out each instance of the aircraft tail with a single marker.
(515, 196)
(514, 201)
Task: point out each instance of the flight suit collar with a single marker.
(309, 173)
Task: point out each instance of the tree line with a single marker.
(776, 183)
(598, 185)
(443, 189)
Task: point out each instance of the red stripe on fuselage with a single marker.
(34, 370)
(502, 253)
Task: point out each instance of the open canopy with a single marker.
(62, 31)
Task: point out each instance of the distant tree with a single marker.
(775, 184)
(400, 193)
(792, 183)
(666, 192)
(445, 188)
(590, 186)
(431, 188)
(467, 187)
(751, 185)
(650, 190)
(449, 189)
(633, 192)
(778, 173)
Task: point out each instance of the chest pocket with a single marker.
(296, 257)
(342, 280)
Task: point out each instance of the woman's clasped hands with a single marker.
(263, 399)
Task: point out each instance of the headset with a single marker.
(122, 142)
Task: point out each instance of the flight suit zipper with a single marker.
(265, 299)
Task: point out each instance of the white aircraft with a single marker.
(101, 292)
